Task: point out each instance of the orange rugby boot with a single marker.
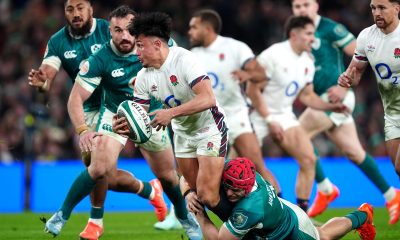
(322, 201)
(92, 231)
(393, 208)
(158, 201)
(367, 230)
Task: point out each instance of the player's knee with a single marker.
(308, 161)
(207, 198)
(97, 171)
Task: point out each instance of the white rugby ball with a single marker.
(138, 121)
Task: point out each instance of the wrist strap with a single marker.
(44, 87)
(187, 192)
(268, 119)
(82, 128)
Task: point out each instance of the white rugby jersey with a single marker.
(172, 85)
(220, 59)
(288, 73)
(382, 51)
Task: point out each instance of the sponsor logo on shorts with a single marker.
(210, 146)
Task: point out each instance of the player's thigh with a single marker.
(393, 149)
(104, 155)
(345, 137)
(315, 121)
(162, 163)
(189, 168)
(209, 175)
(297, 143)
(247, 145)
(259, 126)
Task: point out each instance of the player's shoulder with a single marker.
(276, 48)
(102, 23)
(369, 31)
(60, 36)
(328, 23)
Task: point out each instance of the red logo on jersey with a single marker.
(173, 80)
(210, 146)
(397, 53)
(221, 57)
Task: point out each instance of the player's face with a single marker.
(308, 8)
(147, 50)
(79, 15)
(234, 194)
(304, 37)
(197, 31)
(384, 12)
(121, 37)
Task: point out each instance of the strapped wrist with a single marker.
(187, 192)
(44, 87)
(81, 129)
(268, 119)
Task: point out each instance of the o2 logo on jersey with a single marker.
(171, 101)
(292, 89)
(215, 83)
(385, 73)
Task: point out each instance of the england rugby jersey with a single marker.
(288, 73)
(382, 51)
(69, 51)
(172, 85)
(221, 58)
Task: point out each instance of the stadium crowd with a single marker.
(36, 126)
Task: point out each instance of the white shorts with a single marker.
(212, 145)
(286, 120)
(305, 224)
(159, 141)
(341, 118)
(238, 123)
(105, 126)
(392, 129)
(91, 119)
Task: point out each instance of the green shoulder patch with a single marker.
(239, 219)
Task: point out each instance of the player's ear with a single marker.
(157, 43)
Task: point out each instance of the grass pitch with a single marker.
(139, 225)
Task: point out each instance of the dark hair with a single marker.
(211, 17)
(90, 2)
(155, 24)
(395, 1)
(296, 22)
(121, 12)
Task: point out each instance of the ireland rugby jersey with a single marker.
(330, 39)
(69, 51)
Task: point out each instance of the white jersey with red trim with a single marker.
(288, 73)
(220, 59)
(382, 51)
(172, 85)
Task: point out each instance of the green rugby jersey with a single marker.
(68, 51)
(263, 214)
(330, 39)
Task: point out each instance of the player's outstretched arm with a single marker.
(252, 71)
(43, 77)
(309, 98)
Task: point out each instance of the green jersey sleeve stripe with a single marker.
(344, 41)
(237, 232)
(53, 61)
(88, 84)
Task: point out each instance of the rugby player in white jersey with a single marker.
(223, 57)
(290, 70)
(175, 77)
(378, 46)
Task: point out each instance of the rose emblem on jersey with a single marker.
(210, 146)
(397, 53)
(174, 80)
(221, 57)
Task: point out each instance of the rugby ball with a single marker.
(138, 121)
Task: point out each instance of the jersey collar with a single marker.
(317, 21)
(87, 35)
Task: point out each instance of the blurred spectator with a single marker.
(31, 128)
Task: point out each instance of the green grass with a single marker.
(139, 225)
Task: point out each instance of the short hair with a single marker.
(121, 12)
(296, 22)
(156, 24)
(395, 1)
(210, 16)
(90, 2)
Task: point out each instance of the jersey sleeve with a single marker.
(360, 54)
(51, 56)
(244, 53)
(340, 36)
(90, 73)
(266, 60)
(141, 92)
(241, 222)
(193, 71)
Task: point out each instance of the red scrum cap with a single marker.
(240, 173)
